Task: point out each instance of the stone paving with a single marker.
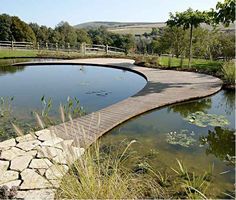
(36, 162)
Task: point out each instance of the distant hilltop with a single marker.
(98, 24)
(137, 28)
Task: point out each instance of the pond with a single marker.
(95, 88)
(167, 134)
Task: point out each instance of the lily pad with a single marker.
(203, 119)
(183, 138)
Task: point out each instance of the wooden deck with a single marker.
(163, 87)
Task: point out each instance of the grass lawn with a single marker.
(6, 53)
(196, 63)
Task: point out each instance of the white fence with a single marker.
(82, 48)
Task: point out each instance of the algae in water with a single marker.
(183, 138)
(203, 119)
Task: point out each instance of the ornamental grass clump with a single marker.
(99, 176)
(228, 71)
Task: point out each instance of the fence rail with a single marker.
(82, 48)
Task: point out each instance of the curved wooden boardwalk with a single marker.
(36, 162)
(163, 87)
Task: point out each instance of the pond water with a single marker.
(165, 135)
(95, 87)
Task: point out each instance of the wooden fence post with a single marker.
(56, 46)
(46, 45)
(107, 47)
(169, 60)
(38, 45)
(68, 46)
(83, 48)
(181, 61)
(12, 45)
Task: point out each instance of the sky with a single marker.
(51, 12)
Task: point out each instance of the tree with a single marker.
(68, 33)
(172, 40)
(21, 31)
(83, 36)
(188, 19)
(5, 27)
(225, 12)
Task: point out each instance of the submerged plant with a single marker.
(203, 119)
(184, 138)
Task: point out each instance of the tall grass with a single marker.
(228, 71)
(96, 176)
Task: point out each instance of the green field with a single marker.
(9, 53)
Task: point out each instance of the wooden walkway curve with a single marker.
(163, 87)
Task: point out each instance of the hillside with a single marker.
(137, 28)
(123, 27)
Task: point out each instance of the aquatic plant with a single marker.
(183, 138)
(203, 119)
(195, 186)
(47, 105)
(72, 107)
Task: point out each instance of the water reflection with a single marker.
(221, 143)
(6, 69)
(229, 100)
(187, 108)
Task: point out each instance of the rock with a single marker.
(26, 138)
(64, 144)
(27, 146)
(52, 142)
(44, 131)
(21, 162)
(55, 183)
(45, 194)
(4, 165)
(56, 172)
(40, 163)
(7, 144)
(69, 155)
(41, 171)
(12, 183)
(46, 135)
(48, 152)
(32, 180)
(8, 176)
(12, 153)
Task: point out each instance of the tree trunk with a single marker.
(190, 46)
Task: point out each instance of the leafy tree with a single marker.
(68, 33)
(21, 31)
(188, 19)
(5, 27)
(224, 13)
(83, 36)
(172, 40)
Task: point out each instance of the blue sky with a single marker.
(51, 12)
